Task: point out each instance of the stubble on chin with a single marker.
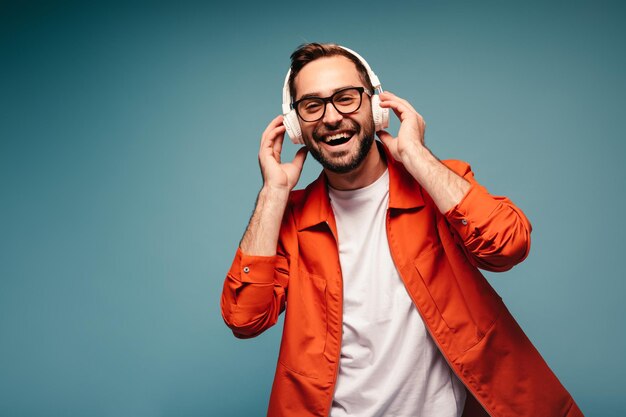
(338, 163)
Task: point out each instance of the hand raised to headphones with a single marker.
(276, 174)
(410, 139)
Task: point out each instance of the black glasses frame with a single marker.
(329, 99)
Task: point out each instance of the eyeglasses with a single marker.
(345, 101)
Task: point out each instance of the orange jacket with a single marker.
(437, 256)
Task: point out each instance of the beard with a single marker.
(343, 162)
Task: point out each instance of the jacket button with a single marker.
(246, 269)
(464, 222)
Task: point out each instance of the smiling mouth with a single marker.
(338, 138)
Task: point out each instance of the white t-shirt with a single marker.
(389, 364)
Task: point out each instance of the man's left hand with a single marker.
(446, 187)
(410, 140)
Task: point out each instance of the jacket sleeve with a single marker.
(255, 291)
(491, 230)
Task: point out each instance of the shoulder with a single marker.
(298, 198)
(311, 197)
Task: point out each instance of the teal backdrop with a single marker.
(128, 141)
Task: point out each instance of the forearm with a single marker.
(261, 236)
(445, 187)
(254, 293)
(254, 289)
(494, 232)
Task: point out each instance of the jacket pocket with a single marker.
(304, 333)
(461, 295)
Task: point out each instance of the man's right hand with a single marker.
(261, 237)
(277, 175)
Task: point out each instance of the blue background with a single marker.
(128, 171)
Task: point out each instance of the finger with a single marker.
(271, 125)
(400, 109)
(267, 133)
(389, 95)
(299, 158)
(277, 146)
(270, 137)
(271, 146)
(404, 111)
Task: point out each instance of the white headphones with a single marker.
(292, 123)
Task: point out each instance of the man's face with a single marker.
(340, 142)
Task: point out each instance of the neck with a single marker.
(372, 167)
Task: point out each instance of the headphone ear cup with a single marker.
(380, 115)
(292, 125)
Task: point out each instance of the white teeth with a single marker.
(336, 136)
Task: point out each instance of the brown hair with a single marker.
(309, 52)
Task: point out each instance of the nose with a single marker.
(331, 115)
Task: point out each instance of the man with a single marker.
(376, 262)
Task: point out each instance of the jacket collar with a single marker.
(314, 208)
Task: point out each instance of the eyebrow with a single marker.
(317, 95)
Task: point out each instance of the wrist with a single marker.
(417, 158)
(272, 193)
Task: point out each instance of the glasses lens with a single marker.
(311, 109)
(348, 100)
